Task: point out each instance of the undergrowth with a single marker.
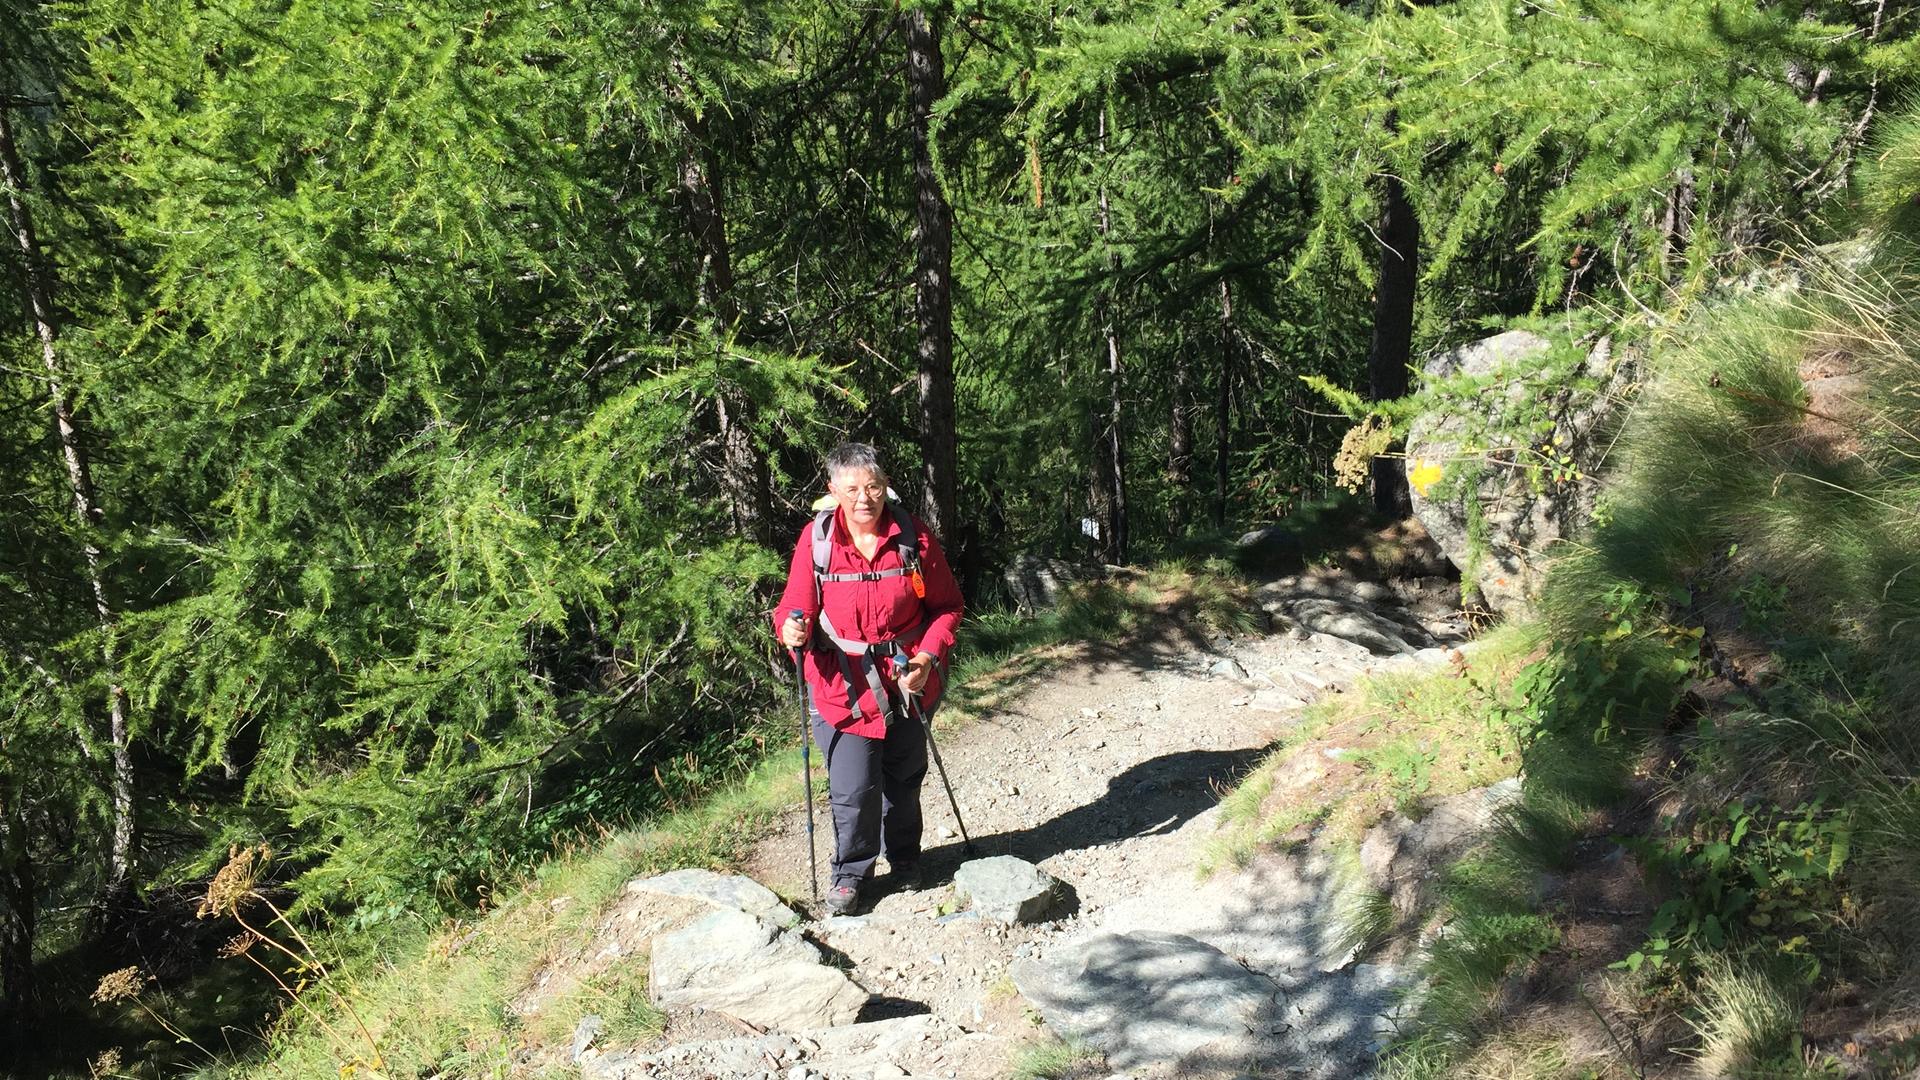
(1731, 649)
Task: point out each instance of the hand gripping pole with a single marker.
(926, 726)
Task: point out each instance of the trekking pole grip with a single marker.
(793, 651)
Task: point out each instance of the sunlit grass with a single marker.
(1054, 1061)
(1402, 738)
(1746, 1017)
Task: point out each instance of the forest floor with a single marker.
(1108, 774)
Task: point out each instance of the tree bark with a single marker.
(932, 279)
(706, 215)
(1391, 351)
(1223, 410)
(743, 470)
(86, 509)
(1676, 222)
(1180, 442)
(1109, 455)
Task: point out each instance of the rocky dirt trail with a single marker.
(1106, 773)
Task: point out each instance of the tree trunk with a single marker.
(743, 471)
(1180, 443)
(1109, 455)
(86, 508)
(932, 279)
(1677, 221)
(1223, 410)
(706, 215)
(17, 918)
(1392, 348)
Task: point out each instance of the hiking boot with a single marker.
(842, 899)
(906, 873)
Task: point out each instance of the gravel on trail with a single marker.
(1106, 773)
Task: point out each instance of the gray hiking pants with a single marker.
(874, 785)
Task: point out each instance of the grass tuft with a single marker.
(1748, 1018)
(1055, 1061)
(1363, 918)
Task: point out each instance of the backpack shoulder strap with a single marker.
(909, 535)
(820, 536)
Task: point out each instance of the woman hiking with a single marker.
(872, 605)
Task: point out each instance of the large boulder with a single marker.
(1364, 612)
(728, 891)
(1149, 997)
(1520, 438)
(743, 966)
(1035, 582)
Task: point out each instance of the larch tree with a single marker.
(932, 274)
(40, 288)
(436, 283)
(1390, 352)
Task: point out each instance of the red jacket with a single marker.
(882, 610)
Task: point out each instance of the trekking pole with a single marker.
(933, 748)
(806, 759)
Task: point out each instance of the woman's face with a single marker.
(860, 493)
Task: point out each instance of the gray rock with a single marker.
(1149, 997)
(1273, 548)
(584, 1035)
(1362, 622)
(1275, 701)
(1229, 668)
(1336, 605)
(1004, 889)
(1036, 581)
(738, 964)
(730, 891)
(1521, 523)
(1400, 855)
(909, 1043)
(612, 1065)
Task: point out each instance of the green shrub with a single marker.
(1747, 871)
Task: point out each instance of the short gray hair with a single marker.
(854, 456)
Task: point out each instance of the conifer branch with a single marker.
(635, 684)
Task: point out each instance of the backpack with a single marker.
(908, 543)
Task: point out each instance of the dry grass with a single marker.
(1747, 1020)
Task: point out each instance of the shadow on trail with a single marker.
(1179, 632)
(1155, 796)
(1109, 630)
(885, 1007)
